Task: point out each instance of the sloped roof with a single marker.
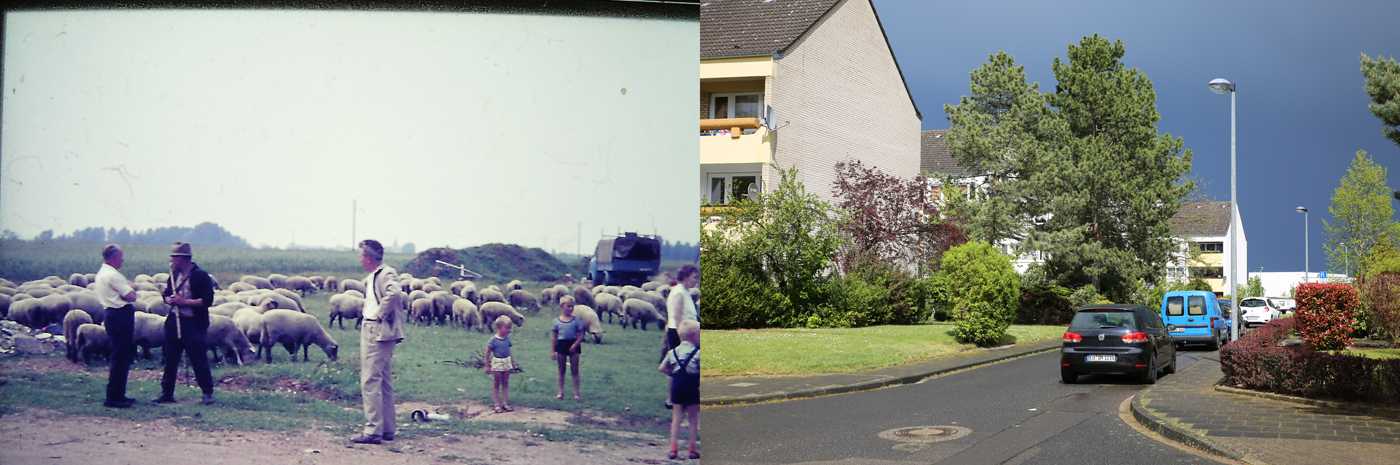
(753, 27)
(933, 153)
(1202, 219)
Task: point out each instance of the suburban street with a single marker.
(1012, 412)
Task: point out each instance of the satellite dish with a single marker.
(752, 192)
(767, 117)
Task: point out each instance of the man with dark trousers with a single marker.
(116, 294)
(189, 293)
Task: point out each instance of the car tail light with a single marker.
(1212, 323)
(1135, 337)
(1072, 337)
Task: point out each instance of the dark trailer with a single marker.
(627, 259)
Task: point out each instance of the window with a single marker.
(739, 185)
(1211, 247)
(1174, 306)
(1195, 305)
(745, 105)
(1208, 272)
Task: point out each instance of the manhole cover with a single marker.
(925, 433)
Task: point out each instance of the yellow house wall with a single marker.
(740, 67)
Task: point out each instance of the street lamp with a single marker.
(1304, 210)
(1221, 86)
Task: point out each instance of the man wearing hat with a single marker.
(382, 330)
(189, 293)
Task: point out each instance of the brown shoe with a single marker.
(367, 439)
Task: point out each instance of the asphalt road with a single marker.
(1014, 412)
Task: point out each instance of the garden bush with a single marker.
(1325, 315)
(1045, 305)
(985, 290)
(1255, 361)
(1380, 299)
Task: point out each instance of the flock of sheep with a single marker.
(254, 314)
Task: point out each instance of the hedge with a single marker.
(1257, 362)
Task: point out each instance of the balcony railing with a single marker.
(732, 127)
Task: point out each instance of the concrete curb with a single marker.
(1373, 411)
(1179, 434)
(865, 386)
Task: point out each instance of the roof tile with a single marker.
(752, 27)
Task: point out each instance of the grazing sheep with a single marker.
(608, 304)
(590, 321)
(456, 286)
(466, 315)
(582, 296)
(293, 296)
(523, 299)
(160, 278)
(282, 302)
(257, 281)
(25, 311)
(548, 298)
(411, 284)
(52, 309)
(278, 281)
(317, 281)
(224, 337)
(418, 294)
(430, 287)
(4, 305)
(148, 331)
(250, 322)
(71, 322)
(355, 284)
(421, 310)
(295, 330)
(492, 310)
(641, 311)
(650, 286)
(354, 293)
(515, 285)
(468, 291)
(442, 305)
(92, 342)
(227, 309)
(78, 279)
(332, 284)
(155, 304)
(346, 306)
(241, 286)
(491, 295)
(300, 284)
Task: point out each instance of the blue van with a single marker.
(1196, 317)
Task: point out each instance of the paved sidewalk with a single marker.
(746, 390)
(1188, 407)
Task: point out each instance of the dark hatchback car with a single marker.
(1129, 339)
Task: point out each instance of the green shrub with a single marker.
(738, 294)
(1085, 295)
(1045, 305)
(984, 289)
(1198, 284)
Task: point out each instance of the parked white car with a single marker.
(1257, 311)
(1283, 305)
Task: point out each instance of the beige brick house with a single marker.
(825, 69)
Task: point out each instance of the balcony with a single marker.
(734, 140)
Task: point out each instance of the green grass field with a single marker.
(845, 350)
(619, 376)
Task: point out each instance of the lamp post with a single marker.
(1221, 86)
(1304, 211)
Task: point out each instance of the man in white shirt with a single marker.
(381, 331)
(116, 294)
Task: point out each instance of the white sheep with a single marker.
(491, 295)
(641, 311)
(582, 296)
(227, 309)
(317, 281)
(355, 284)
(241, 286)
(225, 337)
(346, 306)
(421, 310)
(92, 342)
(466, 315)
(492, 310)
(293, 296)
(148, 331)
(523, 299)
(608, 304)
(442, 305)
(515, 285)
(590, 321)
(278, 281)
(78, 279)
(249, 321)
(295, 330)
(332, 284)
(71, 322)
(257, 281)
(300, 284)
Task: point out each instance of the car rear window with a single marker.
(1103, 320)
(1252, 303)
(1196, 305)
(1174, 306)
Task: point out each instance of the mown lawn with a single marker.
(810, 351)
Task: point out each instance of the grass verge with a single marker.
(803, 351)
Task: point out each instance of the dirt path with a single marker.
(47, 436)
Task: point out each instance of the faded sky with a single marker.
(1300, 111)
(450, 129)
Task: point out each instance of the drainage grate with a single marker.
(925, 433)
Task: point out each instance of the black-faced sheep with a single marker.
(346, 306)
(524, 300)
(92, 342)
(641, 311)
(295, 330)
(590, 321)
(71, 322)
(492, 310)
(225, 338)
(300, 284)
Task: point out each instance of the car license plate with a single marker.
(1103, 358)
(1179, 330)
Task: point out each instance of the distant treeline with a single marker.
(205, 234)
(680, 251)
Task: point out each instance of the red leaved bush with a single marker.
(1326, 315)
(1380, 296)
(891, 219)
(1256, 362)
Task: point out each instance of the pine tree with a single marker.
(997, 135)
(1362, 217)
(1110, 193)
(1383, 85)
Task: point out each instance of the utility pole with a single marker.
(354, 206)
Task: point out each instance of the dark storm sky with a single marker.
(1301, 113)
